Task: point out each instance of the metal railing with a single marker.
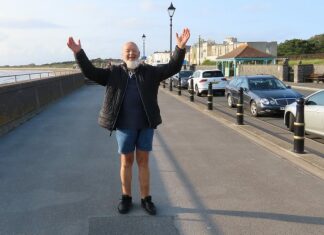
(6, 79)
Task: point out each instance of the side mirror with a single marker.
(310, 102)
(288, 87)
(245, 89)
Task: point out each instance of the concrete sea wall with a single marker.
(20, 101)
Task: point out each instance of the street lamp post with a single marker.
(199, 50)
(171, 11)
(143, 37)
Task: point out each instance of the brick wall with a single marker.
(279, 71)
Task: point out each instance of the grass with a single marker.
(307, 61)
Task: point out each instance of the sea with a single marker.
(12, 76)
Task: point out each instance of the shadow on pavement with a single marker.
(213, 228)
(255, 214)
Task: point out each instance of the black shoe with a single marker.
(148, 205)
(125, 204)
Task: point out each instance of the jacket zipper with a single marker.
(148, 118)
(120, 106)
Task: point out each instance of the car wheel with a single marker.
(230, 101)
(254, 109)
(197, 91)
(291, 122)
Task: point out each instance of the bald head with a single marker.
(130, 51)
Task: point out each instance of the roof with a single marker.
(245, 51)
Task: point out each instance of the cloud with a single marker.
(3, 36)
(27, 24)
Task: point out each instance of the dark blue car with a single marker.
(261, 94)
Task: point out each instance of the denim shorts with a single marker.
(129, 139)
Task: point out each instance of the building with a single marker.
(164, 57)
(158, 58)
(210, 50)
(243, 54)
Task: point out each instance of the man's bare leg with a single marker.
(126, 163)
(142, 159)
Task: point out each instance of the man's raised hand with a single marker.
(183, 38)
(75, 47)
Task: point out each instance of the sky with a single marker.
(36, 31)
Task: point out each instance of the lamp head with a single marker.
(171, 10)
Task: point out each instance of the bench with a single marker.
(316, 77)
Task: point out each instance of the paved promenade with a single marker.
(59, 174)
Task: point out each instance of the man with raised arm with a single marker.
(130, 108)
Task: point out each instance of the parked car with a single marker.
(313, 114)
(201, 79)
(261, 94)
(184, 77)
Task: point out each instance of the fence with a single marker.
(5, 79)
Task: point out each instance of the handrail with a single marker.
(30, 75)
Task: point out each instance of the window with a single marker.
(185, 73)
(210, 74)
(265, 83)
(196, 74)
(317, 99)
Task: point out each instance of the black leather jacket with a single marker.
(115, 78)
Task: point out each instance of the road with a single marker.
(276, 120)
(272, 125)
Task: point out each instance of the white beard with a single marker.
(132, 64)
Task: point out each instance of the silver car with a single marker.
(184, 77)
(314, 114)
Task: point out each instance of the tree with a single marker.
(297, 46)
(318, 41)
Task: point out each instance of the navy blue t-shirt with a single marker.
(132, 114)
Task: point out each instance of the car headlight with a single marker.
(264, 101)
(273, 102)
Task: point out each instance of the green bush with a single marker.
(297, 46)
(209, 62)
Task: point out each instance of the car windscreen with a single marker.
(210, 74)
(265, 84)
(185, 73)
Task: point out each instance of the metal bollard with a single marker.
(299, 127)
(240, 111)
(179, 86)
(170, 87)
(191, 91)
(210, 97)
